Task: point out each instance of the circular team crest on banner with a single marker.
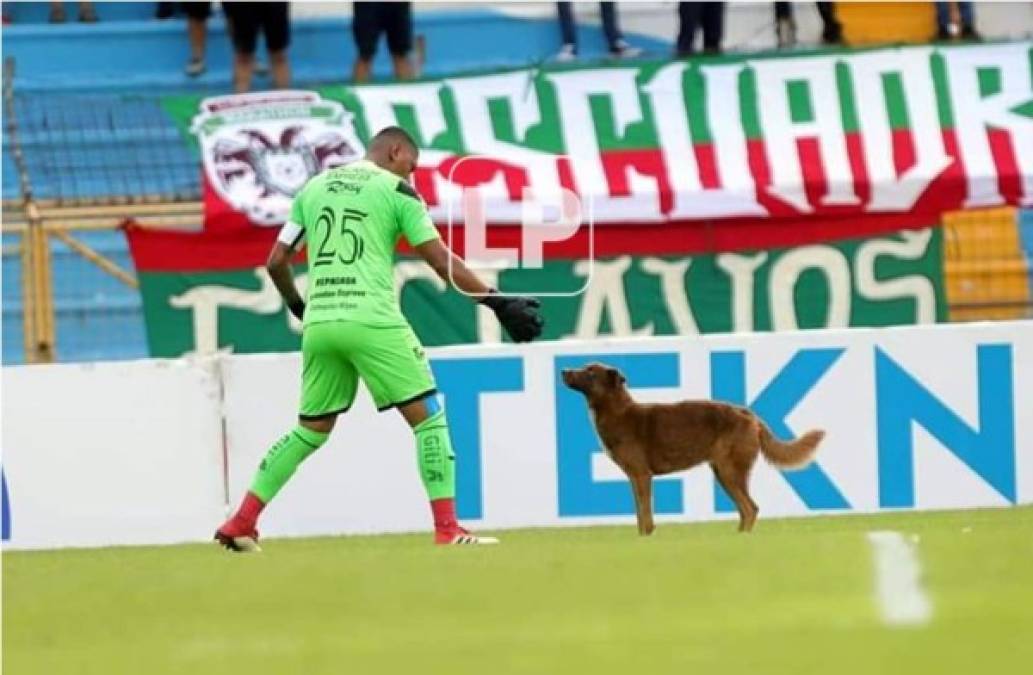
(259, 149)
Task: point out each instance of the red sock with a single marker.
(444, 511)
(247, 515)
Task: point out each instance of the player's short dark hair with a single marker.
(393, 134)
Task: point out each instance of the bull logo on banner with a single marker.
(259, 149)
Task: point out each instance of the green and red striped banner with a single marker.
(226, 300)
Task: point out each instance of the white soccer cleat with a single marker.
(460, 536)
(245, 543)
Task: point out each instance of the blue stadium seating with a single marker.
(97, 317)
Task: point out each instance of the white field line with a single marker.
(898, 580)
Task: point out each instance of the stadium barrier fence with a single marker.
(918, 418)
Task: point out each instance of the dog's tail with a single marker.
(793, 455)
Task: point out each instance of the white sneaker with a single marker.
(461, 536)
(194, 67)
(622, 50)
(566, 53)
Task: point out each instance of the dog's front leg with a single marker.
(642, 484)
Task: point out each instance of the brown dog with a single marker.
(647, 440)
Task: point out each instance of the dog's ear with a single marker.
(614, 377)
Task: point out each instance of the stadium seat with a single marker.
(986, 267)
(881, 22)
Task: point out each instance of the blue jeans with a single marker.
(568, 31)
(943, 14)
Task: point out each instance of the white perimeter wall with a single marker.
(143, 452)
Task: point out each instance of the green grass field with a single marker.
(796, 596)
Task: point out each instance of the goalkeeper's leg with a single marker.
(328, 385)
(437, 470)
(280, 463)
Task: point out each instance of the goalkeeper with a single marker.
(351, 218)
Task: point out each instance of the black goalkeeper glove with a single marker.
(519, 316)
(297, 309)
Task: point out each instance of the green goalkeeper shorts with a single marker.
(335, 354)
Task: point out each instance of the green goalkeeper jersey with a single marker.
(351, 218)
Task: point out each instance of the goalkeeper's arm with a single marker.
(279, 268)
(519, 316)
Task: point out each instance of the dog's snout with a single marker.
(569, 376)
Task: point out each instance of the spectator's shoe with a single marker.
(87, 14)
(832, 34)
(785, 33)
(194, 67)
(566, 54)
(458, 536)
(622, 50)
(234, 538)
(969, 33)
(943, 34)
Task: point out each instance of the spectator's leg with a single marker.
(568, 31)
(618, 46)
(402, 66)
(943, 19)
(280, 68)
(57, 12)
(832, 30)
(243, 69)
(87, 14)
(968, 25)
(276, 23)
(785, 27)
(713, 26)
(366, 32)
(197, 34)
(361, 70)
(398, 26)
(245, 22)
(965, 11)
(688, 20)
(611, 29)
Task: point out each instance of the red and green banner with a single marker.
(875, 281)
(804, 162)
(904, 132)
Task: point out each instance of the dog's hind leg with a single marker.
(642, 485)
(734, 483)
(743, 470)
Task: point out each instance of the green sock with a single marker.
(283, 459)
(435, 456)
